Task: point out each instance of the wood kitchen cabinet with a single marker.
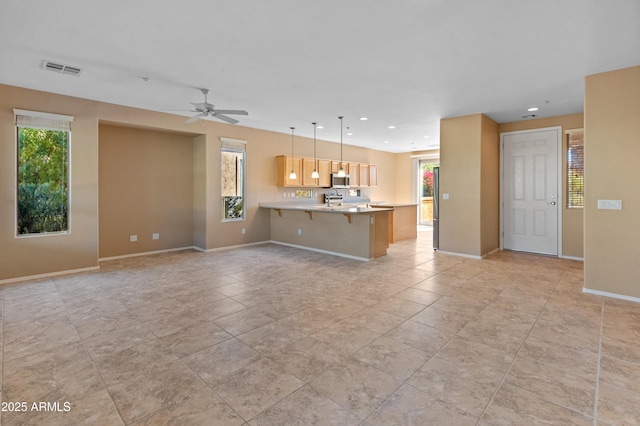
(373, 175)
(324, 169)
(286, 163)
(354, 174)
(360, 175)
(364, 174)
(308, 166)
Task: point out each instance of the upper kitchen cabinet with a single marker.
(335, 166)
(308, 166)
(324, 169)
(359, 174)
(354, 174)
(373, 175)
(364, 174)
(285, 165)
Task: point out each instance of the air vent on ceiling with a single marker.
(60, 68)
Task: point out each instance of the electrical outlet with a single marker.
(133, 238)
(299, 231)
(155, 236)
(244, 231)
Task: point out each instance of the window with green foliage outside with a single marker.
(43, 180)
(232, 178)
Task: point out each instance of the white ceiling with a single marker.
(406, 63)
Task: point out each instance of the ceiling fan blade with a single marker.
(225, 118)
(194, 118)
(232, 111)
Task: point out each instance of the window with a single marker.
(232, 170)
(42, 172)
(575, 168)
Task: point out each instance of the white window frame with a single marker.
(47, 121)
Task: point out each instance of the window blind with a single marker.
(233, 144)
(42, 120)
(575, 168)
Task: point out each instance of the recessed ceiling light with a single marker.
(363, 118)
(320, 127)
(392, 127)
(426, 137)
(349, 134)
(533, 109)
(386, 141)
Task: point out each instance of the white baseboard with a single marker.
(348, 256)
(581, 259)
(147, 253)
(231, 247)
(469, 256)
(611, 295)
(49, 275)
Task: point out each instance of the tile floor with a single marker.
(272, 335)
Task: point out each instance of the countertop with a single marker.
(392, 205)
(323, 208)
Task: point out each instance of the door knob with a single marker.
(553, 203)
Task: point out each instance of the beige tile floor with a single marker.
(272, 335)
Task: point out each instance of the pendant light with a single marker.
(292, 175)
(341, 172)
(314, 174)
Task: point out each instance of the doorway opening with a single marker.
(425, 188)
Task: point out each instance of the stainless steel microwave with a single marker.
(339, 181)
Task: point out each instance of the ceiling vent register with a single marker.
(60, 68)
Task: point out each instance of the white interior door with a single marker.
(531, 191)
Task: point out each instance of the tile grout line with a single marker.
(504, 377)
(93, 364)
(406, 381)
(595, 397)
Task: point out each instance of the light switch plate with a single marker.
(445, 196)
(610, 204)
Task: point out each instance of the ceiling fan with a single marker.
(205, 109)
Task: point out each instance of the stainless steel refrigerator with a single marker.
(436, 208)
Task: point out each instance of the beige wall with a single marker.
(469, 173)
(460, 178)
(612, 129)
(572, 219)
(404, 175)
(77, 249)
(145, 186)
(22, 257)
(489, 186)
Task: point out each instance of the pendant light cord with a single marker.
(341, 117)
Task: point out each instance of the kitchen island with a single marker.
(354, 231)
(403, 221)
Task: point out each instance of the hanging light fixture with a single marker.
(341, 172)
(314, 174)
(292, 175)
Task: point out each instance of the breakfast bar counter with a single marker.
(349, 230)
